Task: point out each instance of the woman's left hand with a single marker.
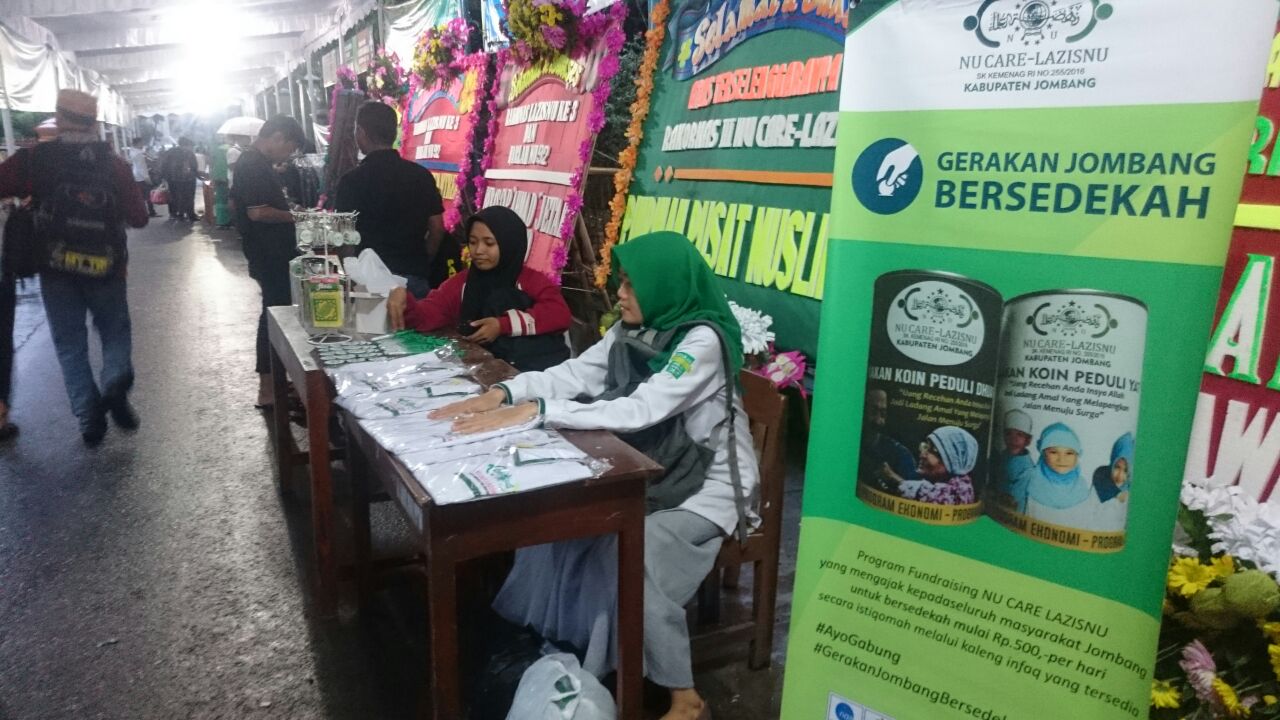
(504, 417)
(487, 330)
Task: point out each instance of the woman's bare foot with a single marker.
(687, 704)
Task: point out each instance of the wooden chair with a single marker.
(766, 411)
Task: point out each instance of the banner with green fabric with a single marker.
(738, 148)
(1031, 207)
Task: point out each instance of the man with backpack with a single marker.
(84, 195)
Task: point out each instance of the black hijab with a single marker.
(490, 293)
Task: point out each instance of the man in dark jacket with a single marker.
(400, 207)
(85, 195)
(180, 172)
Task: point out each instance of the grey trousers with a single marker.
(568, 592)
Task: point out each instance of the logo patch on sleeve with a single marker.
(680, 364)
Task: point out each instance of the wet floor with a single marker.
(162, 576)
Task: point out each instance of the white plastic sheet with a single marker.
(391, 400)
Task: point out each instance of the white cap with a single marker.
(1017, 420)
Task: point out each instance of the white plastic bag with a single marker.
(367, 269)
(557, 688)
(374, 283)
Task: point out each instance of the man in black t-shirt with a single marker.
(400, 207)
(266, 225)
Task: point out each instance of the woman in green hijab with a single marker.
(664, 379)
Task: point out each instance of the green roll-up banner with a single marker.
(1031, 206)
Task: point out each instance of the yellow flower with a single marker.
(1271, 630)
(550, 14)
(1230, 702)
(1165, 695)
(1273, 651)
(1188, 577)
(1223, 566)
(1269, 699)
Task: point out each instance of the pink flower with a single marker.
(1197, 662)
(555, 36)
(609, 66)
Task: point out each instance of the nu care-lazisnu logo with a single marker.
(1032, 22)
(888, 176)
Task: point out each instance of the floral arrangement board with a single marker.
(547, 111)
(439, 123)
(737, 149)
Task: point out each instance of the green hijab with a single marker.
(673, 286)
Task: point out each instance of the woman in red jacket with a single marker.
(517, 312)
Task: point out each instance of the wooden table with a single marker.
(449, 535)
(293, 362)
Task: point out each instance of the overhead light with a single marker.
(211, 40)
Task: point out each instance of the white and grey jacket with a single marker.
(692, 383)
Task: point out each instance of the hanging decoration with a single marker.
(440, 52)
(654, 37)
(481, 182)
(342, 152)
(477, 64)
(387, 81)
(347, 81)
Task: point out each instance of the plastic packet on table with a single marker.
(494, 446)
(547, 453)
(483, 476)
(407, 433)
(409, 400)
(394, 403)
(451, 438)
(455, 387)
(367, 378)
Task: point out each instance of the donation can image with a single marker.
(931, 372)
(1066, 425)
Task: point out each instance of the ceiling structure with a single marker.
(188, 55)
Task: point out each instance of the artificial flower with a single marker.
(1211, 610)
(439, 52)
(608, 27)
(1188, 577)
(1165, 695)
(1197, 662)
(1239, 524)
(627, 159)
(755, 325)
(1251, 594)
(387, 81)
(1273, 652)
(1223, 566)
(1230, 702)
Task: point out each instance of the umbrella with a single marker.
(243, 125)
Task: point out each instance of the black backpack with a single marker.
(78, 218)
